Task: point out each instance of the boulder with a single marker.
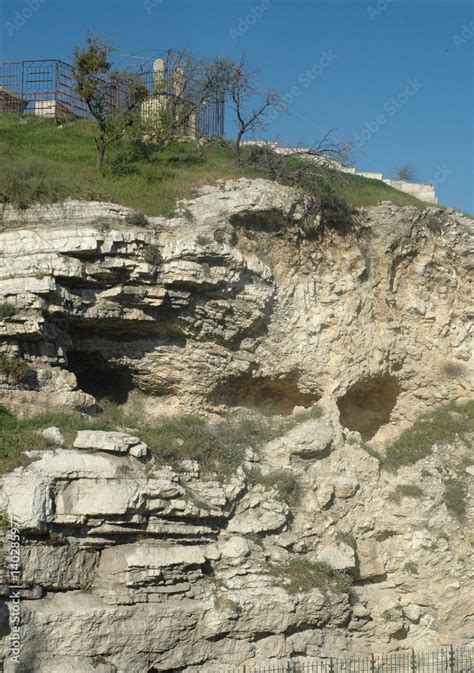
(53, 435)
(113, 442)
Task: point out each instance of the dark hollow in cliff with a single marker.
(98, 377)
(368, 405)
(265, 394)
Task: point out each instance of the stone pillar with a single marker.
(158, 72)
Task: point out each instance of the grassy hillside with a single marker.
(42, 161)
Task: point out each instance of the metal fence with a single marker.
(449, 660)
(46, 88)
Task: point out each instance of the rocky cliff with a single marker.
(231, 307)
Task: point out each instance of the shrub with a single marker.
(152, 255)
(15, 369)
(392, 615)
(320, 184)
(302, 575)
(4, 519)
(411, 567)
(136, 219)
(336, 213)
(455, 496)
(405, 491)
(455, 370)
(7, 310)
(25, 182)
(441, 426)
(285, 483)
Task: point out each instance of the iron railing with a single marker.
(448, 660)
(46, 88)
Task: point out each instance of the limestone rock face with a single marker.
(129, 564)
(230, 305)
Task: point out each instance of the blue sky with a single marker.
(396, 75)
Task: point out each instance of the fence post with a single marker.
(413, 662)
(451, 659)
(372, 663)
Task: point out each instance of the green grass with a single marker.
(150, 184)
(19, 435)
(148, 181)
(301, 576)
(218, 447)
(6, 310)
(362, 192)
(440, 427)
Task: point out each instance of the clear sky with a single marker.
(395, 75)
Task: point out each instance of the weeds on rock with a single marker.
(411, 567)
(136, 219)
(301, 576)
(18, 435)
(440, 427)
(283, 481)
(405, 491)
(6, 310)
(177, 438)
(455, 496)
(14, 369)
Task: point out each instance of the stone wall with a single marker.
(422, 191)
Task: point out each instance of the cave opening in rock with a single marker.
(100, 378)
(265, 394)
(367, 406)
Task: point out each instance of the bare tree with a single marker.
(248, 103)
(112, 98)
(331, 154)
(405, 172)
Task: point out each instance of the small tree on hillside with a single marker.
(405, 172)
(112, 98)
(248, 103)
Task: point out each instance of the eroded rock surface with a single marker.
(131, 565)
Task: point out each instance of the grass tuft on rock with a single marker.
(6, 310)
(283, 481)
(301, 576)
(455, 496)
(18, 435)
(439, 427)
